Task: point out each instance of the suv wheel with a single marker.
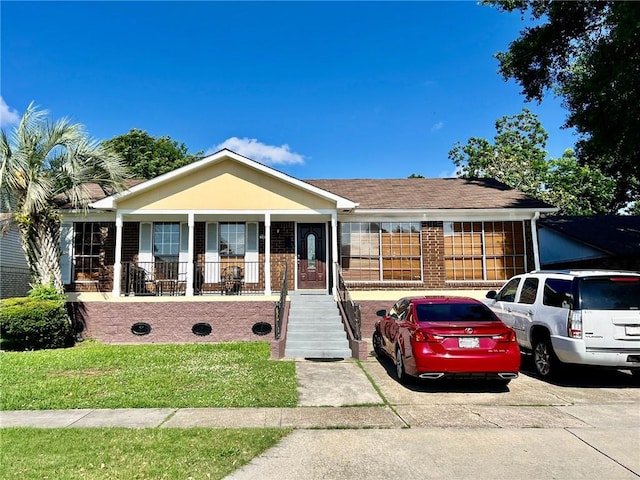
(544, 359)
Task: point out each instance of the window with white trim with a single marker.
(232, 239)
(484, 250)
(166, 241)
(88, 241)
(381, 251)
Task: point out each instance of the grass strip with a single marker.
(117, 453)
(93, 375)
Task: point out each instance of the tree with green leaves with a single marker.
(40, 160)
(148, 156)
(518, 158)
(587, 52)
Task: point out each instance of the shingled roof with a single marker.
(613, 234)
(93, 191)
(400, 194)
(429, 193)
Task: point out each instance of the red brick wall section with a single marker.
(282, 251)
(433, 254)
(171, 322)
(368, 309)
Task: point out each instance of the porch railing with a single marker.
(226, 277)
(351, 309)
(154, 278)
(278, 314)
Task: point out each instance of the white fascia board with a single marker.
(91, 216)
(227, 215)
(111, 201)
(459, 215)
(226, 212)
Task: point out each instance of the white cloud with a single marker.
(437, 126)
(255, 150)
(8, 115)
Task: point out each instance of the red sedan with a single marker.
(435, 337)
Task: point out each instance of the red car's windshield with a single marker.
(453, 312)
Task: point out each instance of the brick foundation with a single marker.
(171, 322)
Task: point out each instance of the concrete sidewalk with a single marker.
(348, 428)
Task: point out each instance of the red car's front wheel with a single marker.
(400, 371)
(377, 344)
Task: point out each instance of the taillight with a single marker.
(574, 325)
(509, 336)
(427, 337)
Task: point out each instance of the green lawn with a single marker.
(119, 453)
(93, 375)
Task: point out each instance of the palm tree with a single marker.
(41, 160)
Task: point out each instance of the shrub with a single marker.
(46, 292)
(32, 324)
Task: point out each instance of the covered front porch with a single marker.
(193, 254)
(224, 225)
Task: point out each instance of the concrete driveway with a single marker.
(585, 427)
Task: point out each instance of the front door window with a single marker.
(311, 251)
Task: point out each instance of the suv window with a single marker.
(610, 293)
(557, 293)
(529, 291)
(508, 292)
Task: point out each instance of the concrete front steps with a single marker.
(315, 329)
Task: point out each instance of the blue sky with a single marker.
(315, 89)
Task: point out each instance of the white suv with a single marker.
(573, 317)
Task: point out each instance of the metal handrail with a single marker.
(351, 309)
(278, 313)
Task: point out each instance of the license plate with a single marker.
(632, 329)
(468, 342)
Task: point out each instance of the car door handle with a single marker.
(509, 310)
(530, 312)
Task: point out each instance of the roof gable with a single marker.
(229, 180)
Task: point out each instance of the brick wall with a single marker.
(433, 254)
(171, 322)
(14, 281)
(282, 251)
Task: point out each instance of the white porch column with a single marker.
(190, 255)
(267, 254)
(334, 251)
(117, 266)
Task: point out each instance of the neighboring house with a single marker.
(169, 247)
(602, 242)
(14, 272)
